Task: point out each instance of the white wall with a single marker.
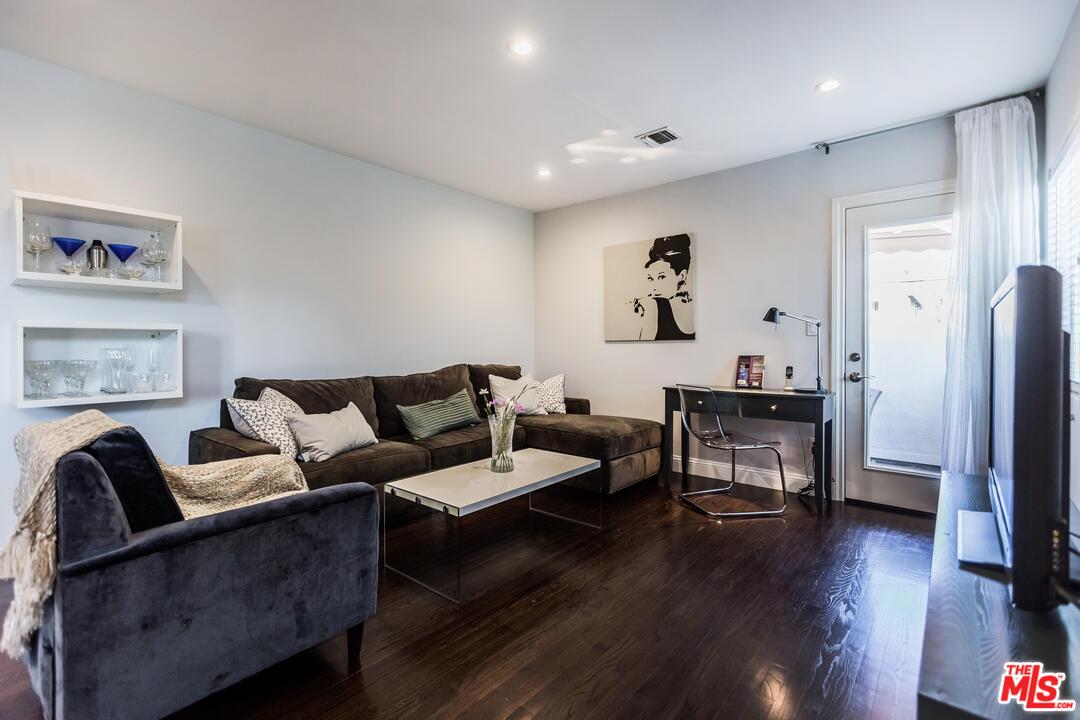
(763, 239)
(298, 262)
(1063, 92)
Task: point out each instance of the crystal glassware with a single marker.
(69, 246)
(113, 377)
(130, 359)
(164, 382)
(142, 383)
(39, 373)
(75, 372)
(502, 441)
(154, 254)
(123, 253)
(36, 240)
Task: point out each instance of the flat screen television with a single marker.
(1029, 435)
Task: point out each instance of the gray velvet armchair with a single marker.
(151, 612)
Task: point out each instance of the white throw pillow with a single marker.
(321, 437)
(265, 420)
(506, 389)
(552, 394)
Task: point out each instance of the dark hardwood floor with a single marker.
(666, 614)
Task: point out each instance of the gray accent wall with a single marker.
(763, 238)
(298, 262)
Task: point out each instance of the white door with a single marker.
(897, 257)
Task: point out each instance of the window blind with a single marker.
(1063, 239)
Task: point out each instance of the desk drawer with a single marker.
(780, 408)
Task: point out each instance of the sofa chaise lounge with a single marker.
(628, 448)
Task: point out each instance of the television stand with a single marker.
(977, 540)
(972, 628)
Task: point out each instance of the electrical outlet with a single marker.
(811, 330)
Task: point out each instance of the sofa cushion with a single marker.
(317, 396)
(463, 445)
(478, 375)
(387, 460)
(603, 437)
(394, 390)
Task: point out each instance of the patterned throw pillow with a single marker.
(438, 416)
(265, 419)
(553, 394)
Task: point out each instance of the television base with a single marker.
(977, 539)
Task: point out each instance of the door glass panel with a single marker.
(906, 278)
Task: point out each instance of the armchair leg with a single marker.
(355, 638)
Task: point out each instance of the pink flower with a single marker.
(519, 408)
(499, 402)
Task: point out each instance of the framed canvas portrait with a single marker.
(649, 290)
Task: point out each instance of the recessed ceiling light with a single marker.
(544, 172)
(579, 160)
(521, 47)
(827, 86)
(628, 159)
(609, 132)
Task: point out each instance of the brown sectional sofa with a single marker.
(628, 448)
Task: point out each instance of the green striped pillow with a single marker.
(432, 418)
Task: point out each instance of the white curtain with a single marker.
(995, 228)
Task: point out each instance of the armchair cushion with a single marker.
(136, 478)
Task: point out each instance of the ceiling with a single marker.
(430, 88)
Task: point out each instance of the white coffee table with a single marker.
(422, 514)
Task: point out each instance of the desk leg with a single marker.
(827, 458)
(819, 466)
(667, 447)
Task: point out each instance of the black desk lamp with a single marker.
(774, 315)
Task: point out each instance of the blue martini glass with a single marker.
(69, 246)
(123, 253)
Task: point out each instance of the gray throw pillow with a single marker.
(321, 437)
(438, 416)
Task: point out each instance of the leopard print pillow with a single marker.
(552, 394)
(266, 419)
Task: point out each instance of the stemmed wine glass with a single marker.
(123, 253)
(70, 246)
(37, 240)
(40, 374)
(154, 253)
(75, 372)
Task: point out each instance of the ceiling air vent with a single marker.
(658, 137)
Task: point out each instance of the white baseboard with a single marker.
(761, 477)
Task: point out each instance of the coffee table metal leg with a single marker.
(423, 545)
(578, 500)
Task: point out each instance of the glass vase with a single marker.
(502, 442)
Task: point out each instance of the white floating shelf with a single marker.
(85, 341)
(87, 220)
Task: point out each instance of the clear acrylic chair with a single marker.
(701, 409)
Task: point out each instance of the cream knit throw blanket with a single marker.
(30, 554)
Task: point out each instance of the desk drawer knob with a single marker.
(774, 408)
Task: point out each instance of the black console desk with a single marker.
(972, 629)
(767, 404)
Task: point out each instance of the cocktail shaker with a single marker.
(98, 257)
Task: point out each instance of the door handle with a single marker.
(856, 376)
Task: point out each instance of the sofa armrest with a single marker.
(577, 406)
(175, 535)
(213, 444)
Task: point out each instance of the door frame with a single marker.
(838, 334)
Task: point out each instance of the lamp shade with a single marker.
(773, 316)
